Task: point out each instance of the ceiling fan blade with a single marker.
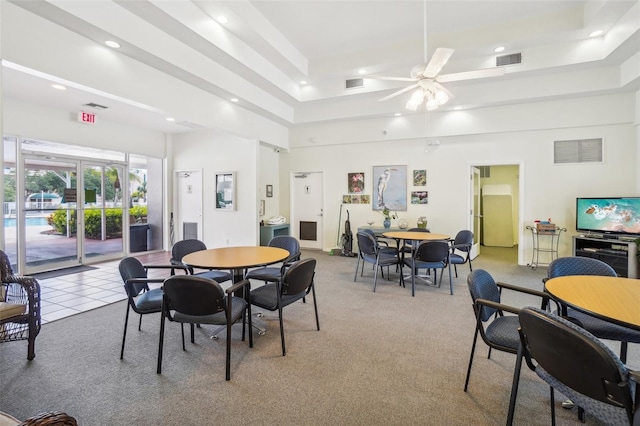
(438, 60)
(468, 75)
(384, 77)
(399, 92)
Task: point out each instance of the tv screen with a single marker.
(608, 215)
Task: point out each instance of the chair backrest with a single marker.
(130, 267)
(182, 248)
(193, 295)
(482, 286)
(5, 266)
(291, 244)
(463, 240)
(299, 277)
(418, 230)
(576, 358)
(367, 243)
(433, 251)
(576, 265)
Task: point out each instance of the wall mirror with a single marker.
(226, 191)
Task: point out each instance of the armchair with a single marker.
(19, 306)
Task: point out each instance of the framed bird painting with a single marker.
(389, 188)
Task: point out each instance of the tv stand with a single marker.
(620, 254)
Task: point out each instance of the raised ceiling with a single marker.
(268, 47)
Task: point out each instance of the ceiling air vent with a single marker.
(95, 105)
(354, 83)
(577, 151)
(512, 59)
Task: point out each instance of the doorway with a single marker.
(189, 204)
(307, 209)
(496, 200)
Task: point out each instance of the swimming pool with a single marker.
(30, 221)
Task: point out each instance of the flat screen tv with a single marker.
(608, 215)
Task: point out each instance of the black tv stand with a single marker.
(618, 252)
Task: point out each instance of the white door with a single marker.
(475, 218)
(188, 224)
(307, 206)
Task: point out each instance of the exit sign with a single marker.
(86, 117)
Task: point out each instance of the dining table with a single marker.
(613, 299)
(414, 236)
(235, 259)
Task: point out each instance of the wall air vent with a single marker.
(354, 83)
(189, 124)
(95, 105)
(578, 151)
(512, 59)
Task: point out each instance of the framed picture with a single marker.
(355, 183)
(261, 211)
(389, 188)
(226, 191)
(419, 197)
(419, 178)
(269, 191)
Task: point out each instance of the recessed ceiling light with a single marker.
(303, 82)
(397, 114)
(171, 119)
(113, 44)
(234, 100)
(362, 72)
(596, 33)
(222, 19)
(499, 49)
(58, 86)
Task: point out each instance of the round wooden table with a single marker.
(614, 299)
(414, 236)
(236, 259)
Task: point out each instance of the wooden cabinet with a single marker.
(620, 254)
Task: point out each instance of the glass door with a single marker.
(48, 219)
(102, 211)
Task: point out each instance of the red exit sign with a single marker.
(86, 117)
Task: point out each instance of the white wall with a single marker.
(269, 171)
(216, 152)
(548, 190)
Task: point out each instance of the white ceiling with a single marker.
(267, 47)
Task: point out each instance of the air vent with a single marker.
(95, 105)
(512, 59)
(354, 83)
(189, 124)
(485, 171)
(577, 151)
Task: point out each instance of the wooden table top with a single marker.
(614, 299)
(415, 235)
(235, 257)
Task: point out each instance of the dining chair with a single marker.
(184, 247)
(577, 265)
(192, 299)
(577, 364)
(296, 283)
(369, 251)
(274, 273)
(140, 298)
(409, 247)
(20, 305)
(430, 255)
(496, 323)
(461, 250)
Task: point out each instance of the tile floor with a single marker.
(71, 294)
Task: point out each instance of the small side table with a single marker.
(550, 245)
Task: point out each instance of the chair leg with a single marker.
(182, 330)
(124, 333)
(355, 276)
(31, 345)
(193, 337)
(450, 281)
(623, 352)
(473, 349)
(140, 323)
(455, 268)
(315, 305)
(375, 277)
(514, 386)
(284, 352)
(552, 400)
(160, 344)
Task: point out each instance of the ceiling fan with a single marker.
(427, 78)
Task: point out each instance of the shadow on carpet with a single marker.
(62, 272)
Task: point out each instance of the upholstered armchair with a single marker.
(19, 306)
